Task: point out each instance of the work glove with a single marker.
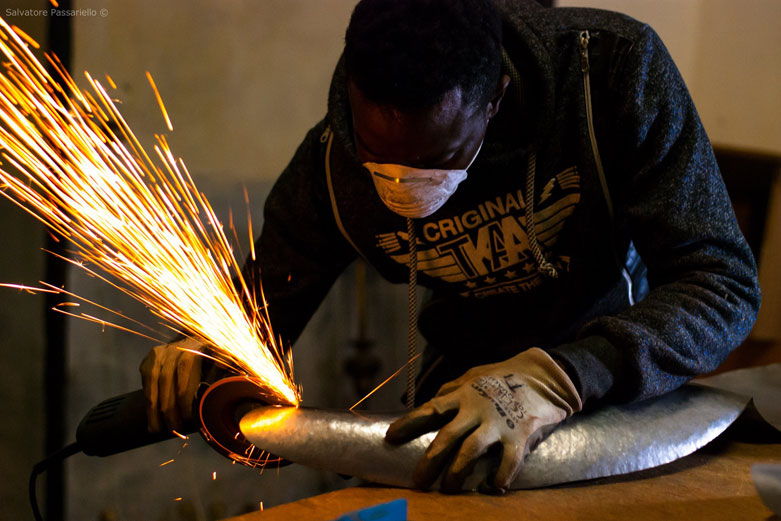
(171, 375)
(511, 404)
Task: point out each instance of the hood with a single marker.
(528, 34)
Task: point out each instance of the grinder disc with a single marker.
(220, 409)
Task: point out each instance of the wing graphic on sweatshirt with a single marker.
(487, 248)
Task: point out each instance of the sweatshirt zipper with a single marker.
(585, 37)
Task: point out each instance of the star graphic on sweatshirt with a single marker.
(528, 267)
(490, 280)
(511, 274)
(471, 284)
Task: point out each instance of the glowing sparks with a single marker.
(30, 289)
(180, 435)
(72, 162)
(159, 101)
(163, 464)
(249, 224)
(214, 475)
(26, 37)
(271, 418)
(391, 377)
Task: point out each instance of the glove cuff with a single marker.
(550, 380)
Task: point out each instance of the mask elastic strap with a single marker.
(476, 153)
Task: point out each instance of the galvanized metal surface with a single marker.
(611, 441)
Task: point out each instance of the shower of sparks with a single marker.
(72, 162)
(163, 464)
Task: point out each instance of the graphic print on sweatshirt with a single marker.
(486, 249)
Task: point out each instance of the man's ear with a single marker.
(493, 104)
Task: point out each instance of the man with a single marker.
(569, 218)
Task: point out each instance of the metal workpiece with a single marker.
(610, 441)
(336, 441)
(621, 439)
(762, 384)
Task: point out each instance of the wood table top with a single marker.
(712, 484)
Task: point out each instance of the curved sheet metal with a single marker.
(762, 384)
(611, 441)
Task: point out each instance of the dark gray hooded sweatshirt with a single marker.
(656, 283)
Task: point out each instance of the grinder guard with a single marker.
(220, 409)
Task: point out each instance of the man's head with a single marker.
(409, 53)
(424, 79)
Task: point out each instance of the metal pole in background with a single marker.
(55, 364)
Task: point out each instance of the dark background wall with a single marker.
(22, 425)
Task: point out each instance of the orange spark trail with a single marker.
(391, 377)
(159, 101)
(71, 161)
(26, 37)
(249, 224)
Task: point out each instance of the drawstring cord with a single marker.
(545, 267)
(413, 312)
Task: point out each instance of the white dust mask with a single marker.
(415, 192)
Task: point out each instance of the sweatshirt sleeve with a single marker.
(704, 295)
(300, 251)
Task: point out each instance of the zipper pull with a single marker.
(584, 38)
(326, 134)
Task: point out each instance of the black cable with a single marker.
(41, 466)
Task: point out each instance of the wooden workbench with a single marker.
(711, 484)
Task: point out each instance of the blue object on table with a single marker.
(395, 510)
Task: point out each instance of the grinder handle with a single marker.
(119, 424)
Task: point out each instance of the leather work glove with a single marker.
(512, 403)
(171, 377)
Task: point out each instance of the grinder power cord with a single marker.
(114, 425)
(119, 424)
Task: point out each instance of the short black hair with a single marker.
(409, 53)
